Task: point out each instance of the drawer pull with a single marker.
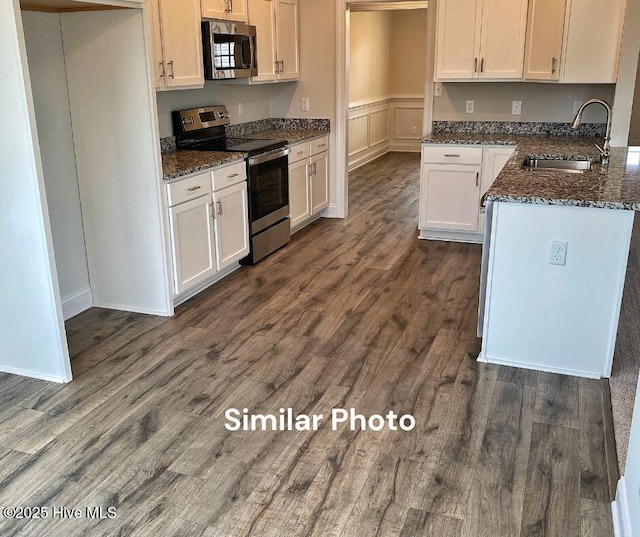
(322, 145)
(477, 178)
(233, 175)
(194, 188)
(300, 153)
(452, 156)
(219, 204)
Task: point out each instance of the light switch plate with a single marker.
(304, 104)
(470, 107)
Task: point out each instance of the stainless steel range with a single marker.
(203, 129)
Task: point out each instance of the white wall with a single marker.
(540, 102)
(32, 340)
(370, 56)
(45, 53)
(256, 101)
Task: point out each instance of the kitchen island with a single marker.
(554, 259)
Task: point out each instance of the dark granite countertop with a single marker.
(615, 187)
(181, 163)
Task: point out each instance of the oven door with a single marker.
(268, 189)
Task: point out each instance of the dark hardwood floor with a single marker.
(353, 313)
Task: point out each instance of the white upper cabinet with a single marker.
(232, 10)
(276, 23)
(592, 41)
(480, 39)
(177, 44)
(545, 29)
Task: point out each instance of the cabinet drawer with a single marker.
(319, 145)
(188, 189)
(299, 152)
(452, 154)
(229, 175)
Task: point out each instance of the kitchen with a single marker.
(316, 84)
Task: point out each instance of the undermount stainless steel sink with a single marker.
(556, 165)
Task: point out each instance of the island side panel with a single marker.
(547, 317)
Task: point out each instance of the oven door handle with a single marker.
(269, 156)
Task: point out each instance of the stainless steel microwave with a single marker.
(229, 50)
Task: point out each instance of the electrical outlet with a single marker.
(240, 109)
(576, 106)
(470, 107)
(304, 104)
(516, 108)
(437, 89)
(558, 253)
(414, 130)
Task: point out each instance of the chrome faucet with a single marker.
(605, 150)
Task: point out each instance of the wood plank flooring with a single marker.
(353, 313)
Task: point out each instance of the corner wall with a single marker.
(43, 36)
(32, 338)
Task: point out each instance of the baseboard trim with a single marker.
(177, 300)
(368, 156)
(451, 236)
(620, 512)
(76, 303)
(405, 147)
(121, 307)
(32, 374)
(482, 357)
(610, 449)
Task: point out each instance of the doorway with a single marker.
(375, 115)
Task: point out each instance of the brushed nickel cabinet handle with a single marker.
(194, 188)
(173, 73)
(300, 153)
(452, 155)
(281, 62)
(277, 67)
(164, 71)
(482, 65)
(212, 213)
(232, 175)
(477, 178)
(219, 204)
(475, 65)
(554, 61)
(322, 145)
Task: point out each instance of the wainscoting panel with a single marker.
(378, 126)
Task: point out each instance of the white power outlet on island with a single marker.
(470, 107)
(516, 108)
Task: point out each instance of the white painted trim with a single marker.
(76, 303)
(121, 307)
(367, 155)
(378, 5)
(620, 511)
(34, 374)
(405, 147)
(450, 236)
(315, 217)
(547, 369)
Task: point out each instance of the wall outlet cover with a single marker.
(437, 89)
(470, 107)
(558, 253)
(304, 104)
(516, 108)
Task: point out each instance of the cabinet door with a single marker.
(182, 43)
(194, 258)
(545, 29)
(232, 224)
(319, 178)
(299, 195)
(262, 16)
(449, 197)
(156, 36)
(495, 160)
(458, 39)
(287, 39)
(215, 9)
(238, 11)
(592, 43)
(504, 24)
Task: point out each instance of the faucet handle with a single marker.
(602, 151)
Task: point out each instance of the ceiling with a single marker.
(60, 6)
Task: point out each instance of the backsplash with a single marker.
(243, 129)
(168, 144)
(515, 128)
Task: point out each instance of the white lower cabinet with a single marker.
(192, 241)
(231, 224)
(308, 181)
(209, 226)
(453, 180)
